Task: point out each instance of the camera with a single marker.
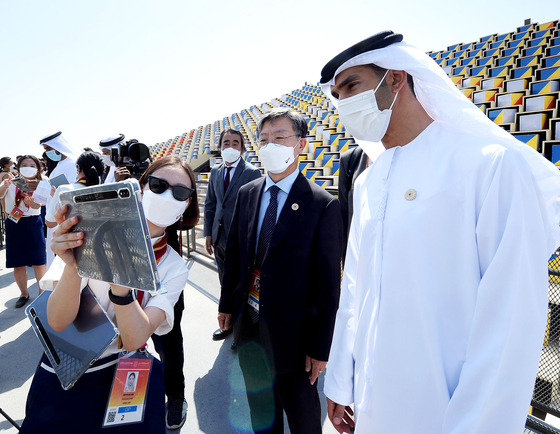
(133, 155)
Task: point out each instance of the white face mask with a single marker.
(276, 158)
(28, 172)
(162, 209)
(230, 155)
(107, 160)
(361, 116)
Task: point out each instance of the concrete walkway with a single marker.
(214, 384)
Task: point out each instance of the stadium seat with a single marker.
(526, 71)
(492, 83)
(509, 99)
(484, 96)
(518, 84)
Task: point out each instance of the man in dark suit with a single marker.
(352, 163)
(281, 281)
(225, 181)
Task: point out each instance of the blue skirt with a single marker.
(81, 409)
(25, 242)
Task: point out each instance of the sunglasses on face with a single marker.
(158, 186)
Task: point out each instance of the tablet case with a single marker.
(59, 180)
(72, 351)
(117, 247)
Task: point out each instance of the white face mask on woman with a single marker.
(162, 209)
(276, 158)
(28, 172)
(361, 116)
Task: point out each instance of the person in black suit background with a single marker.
(352, 163)
(225, 181)
(281, 281)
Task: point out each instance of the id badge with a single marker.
(15, 215)
(127, 401)
(255, 289)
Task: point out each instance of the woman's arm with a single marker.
(135, 324)
(4, 187)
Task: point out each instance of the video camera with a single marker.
(133, 155)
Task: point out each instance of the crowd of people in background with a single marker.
(471, 213)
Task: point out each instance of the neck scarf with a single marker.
(160, 247)
(82, 180)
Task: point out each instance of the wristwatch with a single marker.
(122, 301)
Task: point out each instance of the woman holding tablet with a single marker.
(168, 194)
(25, 241)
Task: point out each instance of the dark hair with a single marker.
(4, 161)
(30, 157)
(299, 124)
(381, 71)
(232, 131)
(92, 165)
(192, 213)
(132, 373)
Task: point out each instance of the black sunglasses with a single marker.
(158, 186)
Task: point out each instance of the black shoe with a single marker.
(220, 334)
(21, 301)
(176, 414)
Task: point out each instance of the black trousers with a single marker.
(270, 394)
(170, 350)
(220, 255)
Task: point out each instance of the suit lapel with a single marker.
(253, 208)
(238, 171)
(296, 202)
(220, 182)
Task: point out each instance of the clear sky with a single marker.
(155, 69)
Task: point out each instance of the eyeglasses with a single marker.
(159, 186)
(278, 139)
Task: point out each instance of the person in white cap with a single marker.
(444, 298)
(59, 150)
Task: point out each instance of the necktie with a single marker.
(226, 180)
(267, 228)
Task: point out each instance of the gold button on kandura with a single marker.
(410, 194)
(295, 206)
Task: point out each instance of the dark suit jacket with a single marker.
(352, 163)
(300, 274)
(218, 206)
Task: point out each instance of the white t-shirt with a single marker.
(10, 201)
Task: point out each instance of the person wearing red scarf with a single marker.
(25, 242)
(169, 193)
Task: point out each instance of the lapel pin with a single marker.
(295, 206)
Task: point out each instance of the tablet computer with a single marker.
(21, 184)
(72, 351)
(59, 180)
(117, 247)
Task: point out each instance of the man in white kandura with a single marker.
(444, 298)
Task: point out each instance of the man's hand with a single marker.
(122, 173)
(314, 367)
(224, 320)
(340, 416)
(209, 244)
